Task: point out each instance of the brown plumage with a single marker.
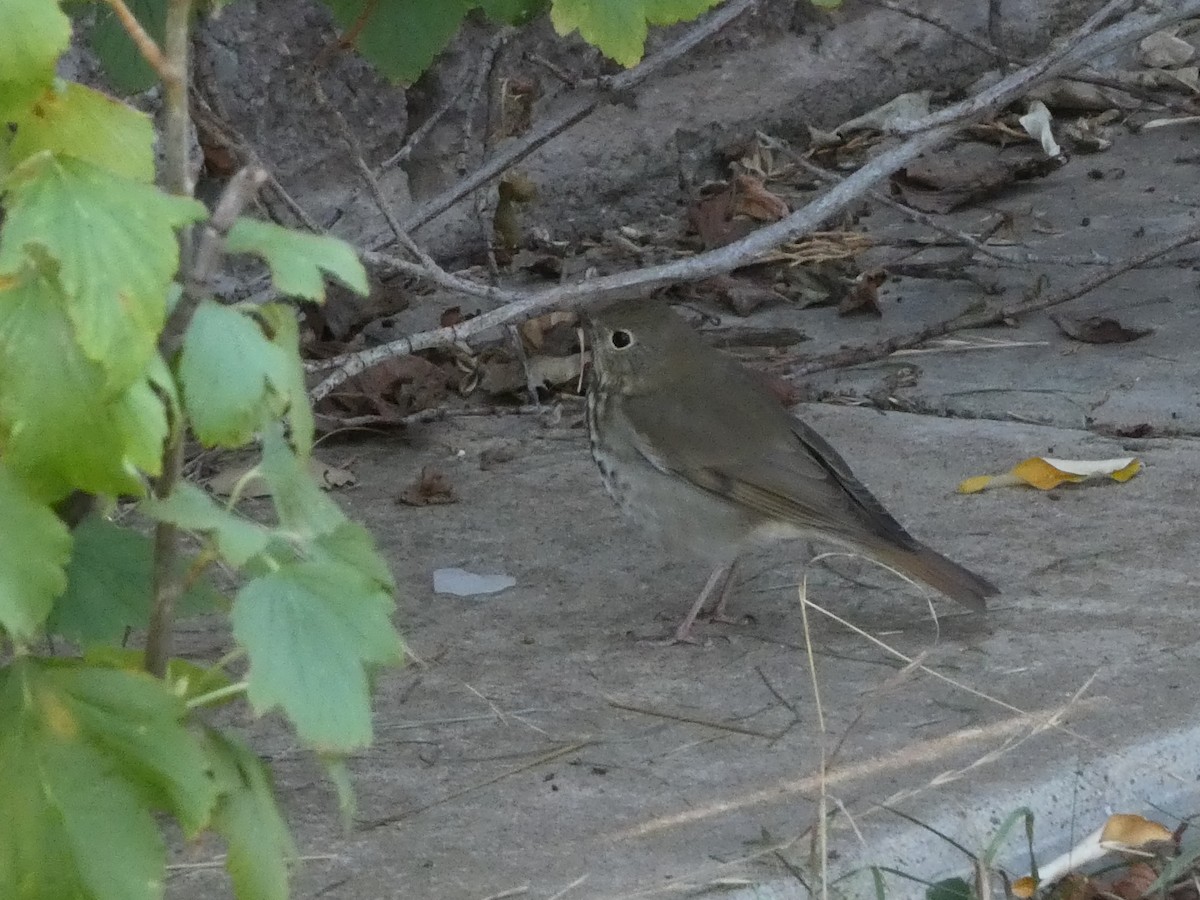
(694, 447)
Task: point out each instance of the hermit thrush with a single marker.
(693, 447)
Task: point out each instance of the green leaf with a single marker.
(352, 546)
(297, 259)
(304, 510)
(826, 4)
(400, 37)
(310, 631)
(950, 889)
(77, 121)
(34, 548)
(58, 425)
(260, 846)
(115, 245)
(85, 755)
(668, 12)
(619, 27)
(33, 34)
(238, 539)
(232, 374)
(109, 583)
(339, 774)
(281, 322)
(124, 65)
(186, 679)
(513, 12)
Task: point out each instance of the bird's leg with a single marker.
(718, 611)
(720, 576)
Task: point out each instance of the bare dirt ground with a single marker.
(539, 749)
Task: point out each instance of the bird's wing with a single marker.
(758, 455)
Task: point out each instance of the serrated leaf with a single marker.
(339, 774)
(304, 510)
(298, 259)
(513, 12)
(114, 242)
(285, 329)
(33, 34)
(618, 28)
(85, 755)
(123, 64)
(400, 37)
(668, 12)
(109, 580)
(59, 426)
(352, 546)
(232, 375)
(34, 548)
(260, 846)
(310, 630)
(77, 121)
(188, 507)
(186, 679)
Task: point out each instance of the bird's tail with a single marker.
(923, 564)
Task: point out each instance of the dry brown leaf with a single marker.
(1135, 883)
(388, 392)
(1098, 329)
(451, 315)
(755, 201)
(1165, 50)
(863, 297)
(947, 180)
(232, 478)
(432, 488)
(899, 111)
(331, 477)
(517, 96)
(498, 454)
(712, 218)
(534, 330)
(738, 294)
(499, 374)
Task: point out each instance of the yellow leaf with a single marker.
(1046, 473)
(974, 485)
(1043, 475)
(1024, 887)
(1131, 830)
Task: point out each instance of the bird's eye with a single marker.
(622, 339)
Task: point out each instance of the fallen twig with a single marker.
(487, 782)
(551, 128)
(853, 356)
(688, 718)
(1081, 46)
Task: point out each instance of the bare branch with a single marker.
(196, 278)
(853, 356)
(551, 128)
(1081, 46)
(176, 120)
(167, 583)
(937, 22)
(879, 196)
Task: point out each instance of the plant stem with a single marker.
(168, 577)
(176, 118)
(230, 690)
